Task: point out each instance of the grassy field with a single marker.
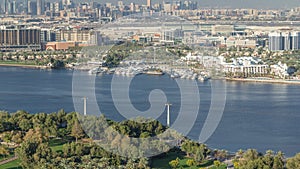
(57, 144)
(163, 162)
(12, 165)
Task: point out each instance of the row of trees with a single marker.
(20, 126)
(73, 155)
(33, 132)
(252, 159)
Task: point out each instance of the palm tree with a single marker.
(4, 151)
(240, 153)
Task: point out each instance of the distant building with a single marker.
(149, 4)
(167, 7)
(222, 29)
(32, 9)
(74, 35)
(40, 7)
(47, 35)
(52, 46)
(19, 39)
(246, 65)
(234, 42)
(284, 41)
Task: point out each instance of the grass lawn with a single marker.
(11, 165)
(57, 144)
(18, 62)
(223, 166)
(163, 162)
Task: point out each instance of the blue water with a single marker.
(256, 115)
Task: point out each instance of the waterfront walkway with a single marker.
(282, 81)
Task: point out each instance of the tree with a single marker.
(4, 151)
(17, 137)
(143, 163)
(25, 153)
(198, 157)
(236, 164)
(25, 124)
(174, 163)
(66, 150)
(278, 163)
(250, 154)
(43, 153)
(190, 162)
(35, 135)
(293, 162)
(217, 163)
(77, 131)
(240, 153)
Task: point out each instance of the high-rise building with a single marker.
(149, 4)
(5, 6)
(295, 40)
(275, 41)
(25, 4)
(284, 41)
(11, 8)
(47, 35)
(40, 5)
(132, 6)
(167, 7)
(32, 8)
(16, 38)
(28, 7)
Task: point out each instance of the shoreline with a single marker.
(23, 66)
(278, 81)
(253, 80)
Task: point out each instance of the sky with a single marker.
(258, 4)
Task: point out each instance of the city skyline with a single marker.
(255, 4)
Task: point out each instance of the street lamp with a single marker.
(84, 105)
(168, 113)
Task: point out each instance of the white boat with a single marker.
(94, 71)
(202, 78)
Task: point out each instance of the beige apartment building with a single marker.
(74, 35)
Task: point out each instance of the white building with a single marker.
(246, 65)
(280, 70)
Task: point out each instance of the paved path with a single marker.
(8, 160)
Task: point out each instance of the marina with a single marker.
(131, 70)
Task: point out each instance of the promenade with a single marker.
(262, 80)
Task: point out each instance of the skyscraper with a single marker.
(25, 3)
(284, 41)
(40, 7)
(6, 6)
(149, 4)
(28, 6)
(19, 39)
(275, 41)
